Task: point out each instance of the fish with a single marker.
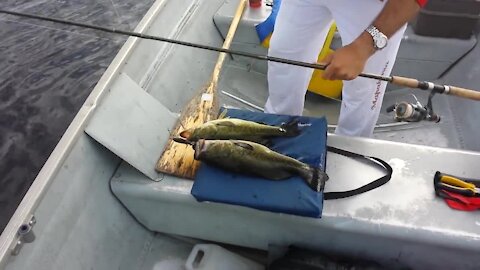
(250, 158)
(239, 129)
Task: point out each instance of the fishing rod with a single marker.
(401, 81)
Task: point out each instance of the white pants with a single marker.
(301, 28)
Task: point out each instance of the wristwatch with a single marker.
(380, 40)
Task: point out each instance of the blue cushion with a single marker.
(290, 196)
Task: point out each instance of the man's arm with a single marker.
(349, 61)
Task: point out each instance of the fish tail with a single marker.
(291, 128)
(316, 179)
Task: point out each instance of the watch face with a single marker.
(381, 42)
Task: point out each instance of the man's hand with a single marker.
(349, 61)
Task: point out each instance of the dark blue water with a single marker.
(46, 72)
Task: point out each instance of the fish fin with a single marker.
(244, 145)
(260, 140)
(291, 128)
(182, 140)
(225, 124)
(266, 142)
(277, 175)
(318, 179)
(222, 114)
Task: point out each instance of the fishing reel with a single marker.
(414, 111)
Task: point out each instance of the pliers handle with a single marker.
(459, 183)
(456, 184)
(459, 190)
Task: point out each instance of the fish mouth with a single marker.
(186, 134)
(200, 149)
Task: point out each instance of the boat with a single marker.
(97, 203)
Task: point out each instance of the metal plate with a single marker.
(133, 125)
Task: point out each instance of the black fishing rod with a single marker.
(401, 81)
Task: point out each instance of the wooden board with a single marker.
(177, 159)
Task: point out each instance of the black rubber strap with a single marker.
(373, 185)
